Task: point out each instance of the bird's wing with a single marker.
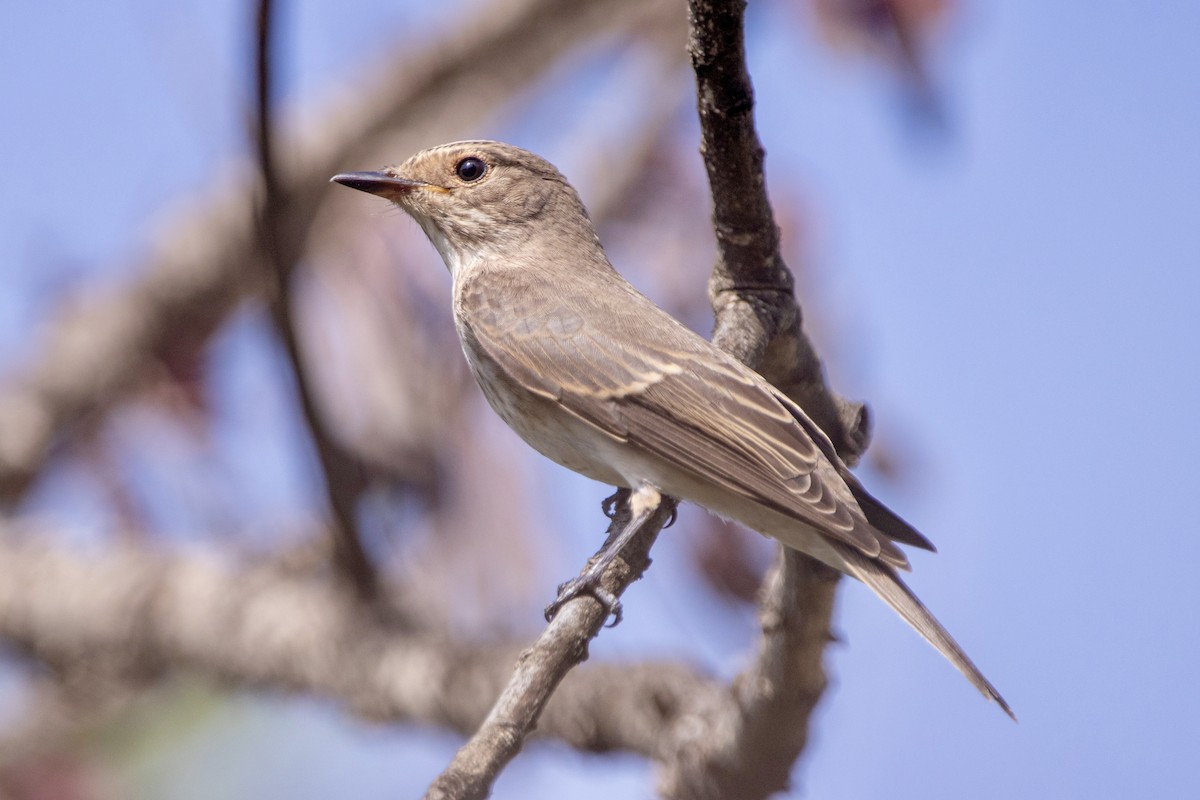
(882, 518)
(639, 376)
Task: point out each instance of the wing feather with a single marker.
(673, 393)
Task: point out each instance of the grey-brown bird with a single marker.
(596, 377)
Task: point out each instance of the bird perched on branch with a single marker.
(594, 376)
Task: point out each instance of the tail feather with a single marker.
(885, 583)
(883, 519)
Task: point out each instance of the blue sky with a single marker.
(1019, 300)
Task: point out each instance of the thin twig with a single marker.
(562, 646)
(342, 473)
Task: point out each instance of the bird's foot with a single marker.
(642, 504)
(609, 504)
(587, 583)
(609, 507)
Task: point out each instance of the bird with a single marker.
(593, 375)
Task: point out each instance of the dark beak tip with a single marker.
(363, 181)
(375, 182)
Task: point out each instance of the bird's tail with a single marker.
(884, 582)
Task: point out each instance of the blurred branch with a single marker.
(341, 471)
(205, 264)
(265, 627)
(745, 746)
(897, 32)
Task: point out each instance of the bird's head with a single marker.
(482, 199)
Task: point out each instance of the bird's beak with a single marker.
(379, 183)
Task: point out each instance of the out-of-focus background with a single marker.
(993, 213)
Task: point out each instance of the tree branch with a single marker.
(745, 745)
(745, 748)
(157, 614)
(562, 646)
(757, 317)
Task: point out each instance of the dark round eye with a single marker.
(470, 169)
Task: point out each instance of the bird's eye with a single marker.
(470, 169)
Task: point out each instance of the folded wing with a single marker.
(644, 378)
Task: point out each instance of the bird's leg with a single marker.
(642, 504)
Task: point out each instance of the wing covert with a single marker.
(674, 394)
